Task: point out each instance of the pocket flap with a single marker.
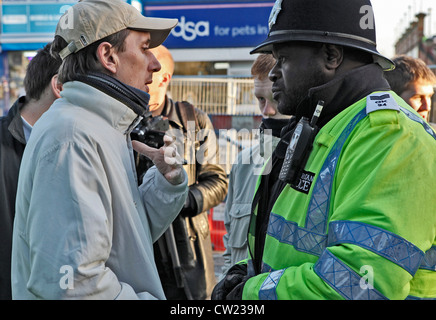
(239, 210)
(239, 220)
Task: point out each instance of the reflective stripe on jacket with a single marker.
(367, 228)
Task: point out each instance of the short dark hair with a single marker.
(39, 72)
(85, 61)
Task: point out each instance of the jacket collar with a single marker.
(342, 92)
(117, 114)
(16, 124)
(337, 95)
(135, 99)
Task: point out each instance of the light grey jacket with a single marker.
(242, 183)
(83, 229)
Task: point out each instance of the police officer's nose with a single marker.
(272, 75)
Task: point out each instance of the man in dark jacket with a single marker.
(196, 142)
(42, 88)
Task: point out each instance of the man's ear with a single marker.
(56, 86)
(333, 56)
(107, 57)
(166, 78)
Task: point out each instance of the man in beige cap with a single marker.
(83, 228)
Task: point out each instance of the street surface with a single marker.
(219, 262)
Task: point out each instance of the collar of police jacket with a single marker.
(342, 92)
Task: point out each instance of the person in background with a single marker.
(195, 139)
(413, 81)
(83, 228)
(42, 88)
(248, 166)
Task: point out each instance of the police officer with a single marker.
(342, 215)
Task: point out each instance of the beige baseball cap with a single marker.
(91, 20)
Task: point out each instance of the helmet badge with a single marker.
(274, 13)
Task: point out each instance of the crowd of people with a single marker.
(341, 207)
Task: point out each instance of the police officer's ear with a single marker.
(333, 56)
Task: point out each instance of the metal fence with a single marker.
(216, 95)
(231, 106)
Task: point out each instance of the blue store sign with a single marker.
(215, 25)
(29, 25)
(26, 25)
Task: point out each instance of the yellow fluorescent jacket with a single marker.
(367, 228)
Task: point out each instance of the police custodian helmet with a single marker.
(347, 23)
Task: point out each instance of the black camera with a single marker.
(151, 131)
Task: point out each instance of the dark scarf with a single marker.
(135, 99)
(342, 92)
(337, 95)
(275, 125)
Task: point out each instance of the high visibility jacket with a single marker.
(367, 227)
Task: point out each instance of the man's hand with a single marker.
(166, 159)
